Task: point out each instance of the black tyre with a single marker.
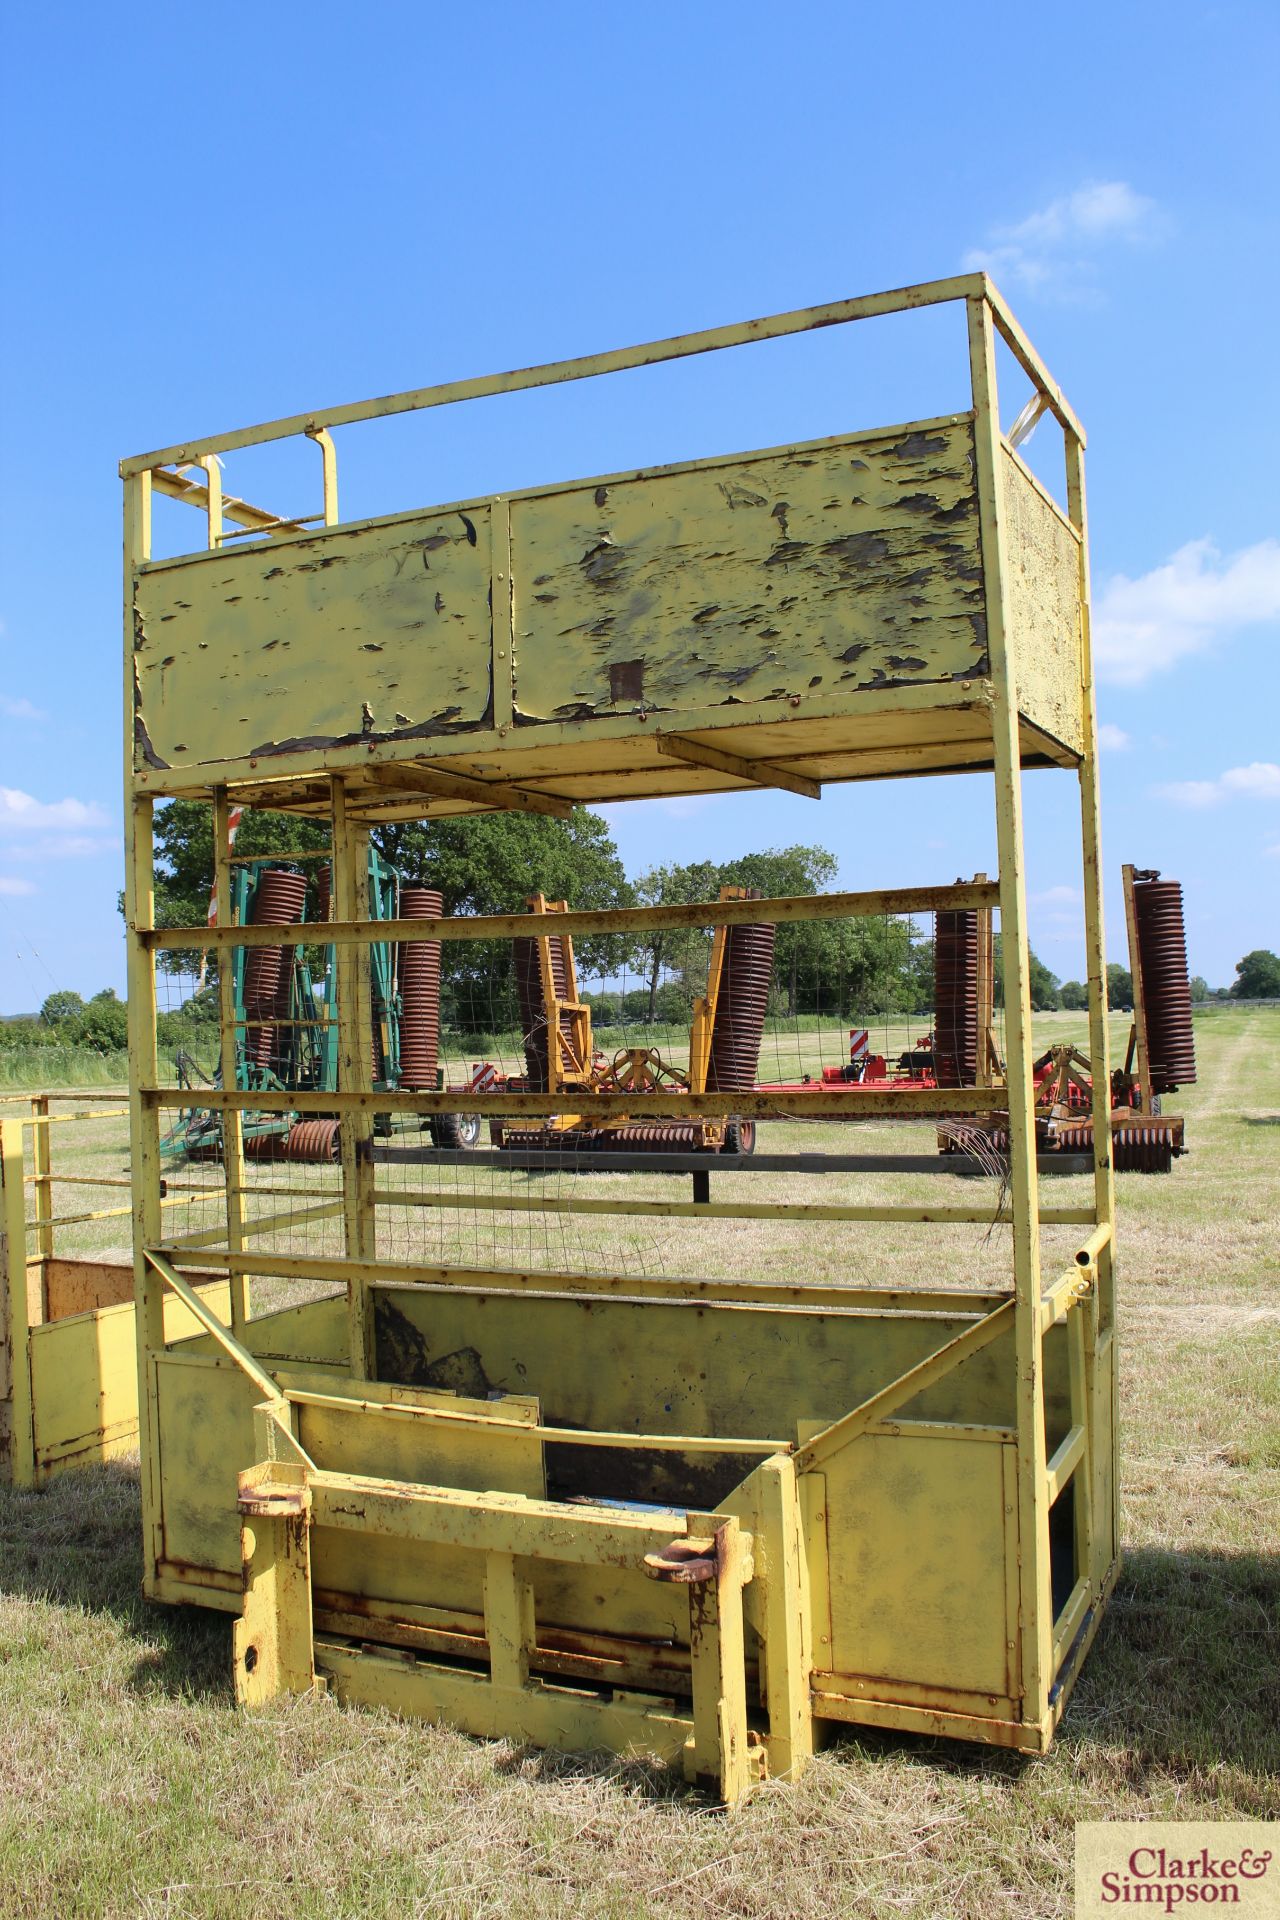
(740, 1137)
(455, 1130)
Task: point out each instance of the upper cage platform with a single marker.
(785, 617)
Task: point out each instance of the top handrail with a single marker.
(965, 286)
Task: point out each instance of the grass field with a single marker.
(129, 1786)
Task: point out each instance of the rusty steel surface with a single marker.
(737, 1025)
(956, 998)
(419, 967)
(1162, 956)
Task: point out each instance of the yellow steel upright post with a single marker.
(232, 1118)
(17, 1440)
(1034, 1586)
(144, 1132)
(144, 1117)
(42, 1166)
(355, 1071)
(1101, 1309)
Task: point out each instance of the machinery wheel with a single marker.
(455, 1130)
(740, 1137)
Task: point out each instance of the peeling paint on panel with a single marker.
(691, 561)
(374, 613)
(1043, 588)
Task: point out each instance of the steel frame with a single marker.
(763, 1555)
(68, 1360)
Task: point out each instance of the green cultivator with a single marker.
(286, 1014)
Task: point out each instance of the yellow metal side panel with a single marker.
(207, 1432)
(205, 1412)
(84, 1380)
(382, 631)
(77, 1286)
(314, 1332)
(1104, 1444)
(207, 1437)
(654, 1367)
(349, 1569)
(836, 566)
(389, 1446)
(1042, 579)
(916, 1541)
(507, 1459)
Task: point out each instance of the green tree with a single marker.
(678, 949)
(103, 1026)
(1074, 996)
(807, 953)
(1045, 996)
(840, 967)
(494, 863)
(1119, 987)
(919, 978)
(61, 1006)
(24, 1030)
(488, 863)
(1199, 987)
(1257, 976)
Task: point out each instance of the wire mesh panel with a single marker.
(536, 1080)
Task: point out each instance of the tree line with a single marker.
(491, 863)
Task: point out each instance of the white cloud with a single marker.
(1113, 739)
(1143, 626)
(10, 885)
(1191, 793)
(1272, 850)
(20, 813)
(20, 709)
(1051, 250)
(1260, 780)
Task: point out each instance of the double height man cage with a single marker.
(685, 1478)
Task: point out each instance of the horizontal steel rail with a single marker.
(816, 1101)
(591, 923)
(553, 1436)
(838, 1296)
(622, 359)
(468, 1200)
(492, 1522)
(271, 1223)
(521, 1160)
(186, 1199)
(61, 1119)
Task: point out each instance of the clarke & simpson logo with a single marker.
(1172, 1867)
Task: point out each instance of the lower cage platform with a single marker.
(687, 1528)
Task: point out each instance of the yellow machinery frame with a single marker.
(644, 1068)
(873, 1540)
(68, 1344)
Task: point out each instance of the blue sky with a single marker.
(210, 220)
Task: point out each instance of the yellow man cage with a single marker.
(699, 1516)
